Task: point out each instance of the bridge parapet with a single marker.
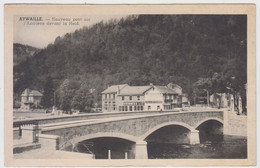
(67, 118)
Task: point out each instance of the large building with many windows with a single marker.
(161, 98)
(141, 98)
(109, 98)
(132, 98)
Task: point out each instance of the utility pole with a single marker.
(54, 103)
(207, 96)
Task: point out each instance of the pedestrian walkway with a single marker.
(39, 154)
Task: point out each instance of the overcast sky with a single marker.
(41, 35)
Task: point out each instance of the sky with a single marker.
(30, 33)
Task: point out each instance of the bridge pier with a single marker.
(226, 122)
(49, 142)
(194, 137)
(141, 150)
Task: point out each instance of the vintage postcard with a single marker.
(130, 85)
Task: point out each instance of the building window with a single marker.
(138, 97)
(123, 98)
(105, 96)
(109, 95)
(138, 107)
(126, 108)
(130, 97)
(158, 107)
(123, 108)
(135, 108)
(149, 107)
(142, 108)
(119, 108)
(114, 96)
(130, 108)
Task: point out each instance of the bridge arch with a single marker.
(150, 131)
(208, 119)
(103, 135)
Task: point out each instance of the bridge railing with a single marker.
(54, 119)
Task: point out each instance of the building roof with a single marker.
(29, 92)
(165, 89)
(35, 93)
(134, 90)
(114, 88)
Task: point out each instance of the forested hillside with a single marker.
(22, 52)
(138, 50)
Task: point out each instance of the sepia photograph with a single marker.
(130, 85)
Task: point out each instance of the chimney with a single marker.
(27, 92)
(170, 85)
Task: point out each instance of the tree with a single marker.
(82, 100)
(48, 93)
(66, 93)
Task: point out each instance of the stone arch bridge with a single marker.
(132, 128)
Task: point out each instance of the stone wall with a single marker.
(237, 124)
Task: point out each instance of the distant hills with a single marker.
(137, 50)
(22, 52)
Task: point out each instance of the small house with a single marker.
(30, 99)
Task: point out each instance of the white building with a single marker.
(30, 99)
(141, 98)
(132, 98)
(161, 98)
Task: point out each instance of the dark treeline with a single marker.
(22, 52)
(138, 50)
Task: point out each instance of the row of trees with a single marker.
(220, 83)
(70, 95)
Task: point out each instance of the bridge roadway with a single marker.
(134, 128)
(69, 124)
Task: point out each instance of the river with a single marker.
(230, 147)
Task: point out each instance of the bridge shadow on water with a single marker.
(100, 147)
(173, 142)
